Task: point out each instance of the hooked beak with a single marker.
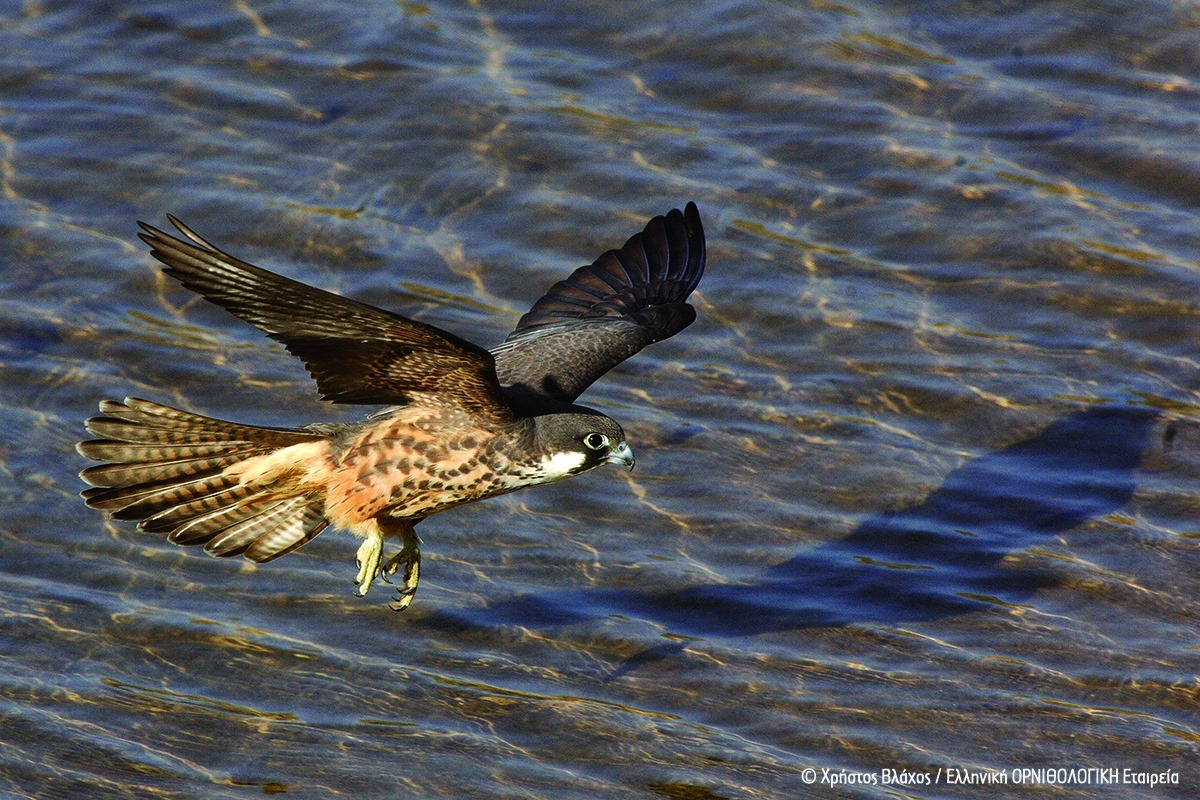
(621, 454)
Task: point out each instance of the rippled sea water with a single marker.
(916, 496)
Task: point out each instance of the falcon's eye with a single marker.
(596, 441)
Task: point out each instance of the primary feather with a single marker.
(606, 311)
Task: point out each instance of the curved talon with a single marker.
(410, 557)
(371, 565)
(404, 598)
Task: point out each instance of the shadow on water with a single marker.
(934, 559)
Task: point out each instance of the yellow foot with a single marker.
(370, 554)
(410, 557)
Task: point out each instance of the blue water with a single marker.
(915, 492)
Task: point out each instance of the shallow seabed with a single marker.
(916, 497)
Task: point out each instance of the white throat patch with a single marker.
(560, 465)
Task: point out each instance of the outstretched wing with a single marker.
(607, 311)
(356, 353)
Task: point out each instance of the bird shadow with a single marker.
(940, 557)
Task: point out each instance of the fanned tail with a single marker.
(185, 475)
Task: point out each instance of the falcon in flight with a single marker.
(463, 423)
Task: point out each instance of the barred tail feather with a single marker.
(177, 473)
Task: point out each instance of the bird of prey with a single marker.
(462, 423)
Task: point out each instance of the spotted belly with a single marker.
(413, 465)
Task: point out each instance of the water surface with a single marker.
(916, 492)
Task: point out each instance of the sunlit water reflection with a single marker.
(915, 492)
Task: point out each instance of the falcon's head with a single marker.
(571, 443)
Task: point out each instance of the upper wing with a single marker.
(356, 353)
(607, 311)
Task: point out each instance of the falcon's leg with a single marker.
(370, 554)
(410, 557)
